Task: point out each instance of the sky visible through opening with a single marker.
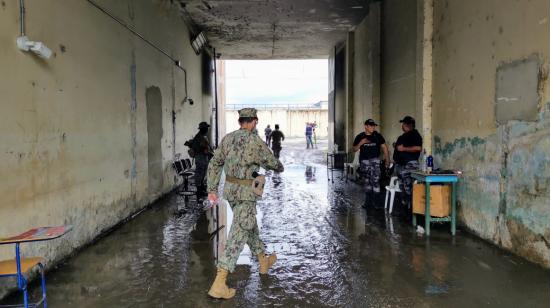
(276, 82)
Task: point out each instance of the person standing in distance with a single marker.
(240, 156)
(370, 144)
(277, 136)
(407, 151)
(267, 132)
(309, 135)
(203, 152)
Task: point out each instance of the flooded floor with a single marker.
(331, 251)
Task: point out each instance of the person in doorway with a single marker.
(203, 153)
(267, 132)
(309, 135)
(240, 156)
(277, 137)
(406, 153)
(370, 145)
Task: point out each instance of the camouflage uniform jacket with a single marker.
(241, 153)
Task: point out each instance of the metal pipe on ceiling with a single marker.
(22, 17)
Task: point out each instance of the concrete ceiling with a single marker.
(274, 29)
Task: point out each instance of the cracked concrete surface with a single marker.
(278, 29)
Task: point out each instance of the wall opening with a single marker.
(290, 93)
(153, 100)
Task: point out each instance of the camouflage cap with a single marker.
(248, 113)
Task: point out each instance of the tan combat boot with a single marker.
(266, 261)
(219, 289)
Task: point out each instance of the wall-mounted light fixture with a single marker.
(38, 48)
(23, 42)
(199, 43)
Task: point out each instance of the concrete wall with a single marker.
(291, 122)
(490, 108)
(398, 65)
(366, 70)
(505, 193)
(385, 67)
(74, 128)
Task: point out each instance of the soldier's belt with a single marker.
(234, 180)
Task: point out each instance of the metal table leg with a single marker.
(332, 169)
(453, 209)
(328, 166)
(427, 210)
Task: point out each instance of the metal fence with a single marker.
(276, 106)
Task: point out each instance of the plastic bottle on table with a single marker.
(423, 162)
(430, 163)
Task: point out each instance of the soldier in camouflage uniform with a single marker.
(407, 151)
(370, 145)
(240, 155)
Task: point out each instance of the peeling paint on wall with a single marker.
(491, 118)
(505, 189)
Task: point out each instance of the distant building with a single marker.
(321, 105)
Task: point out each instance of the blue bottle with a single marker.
(430, 163)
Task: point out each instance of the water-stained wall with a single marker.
(490, 107)
(491, 117)
(74, 128)
(398, 65)
(366, 70)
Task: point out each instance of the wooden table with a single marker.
(429, 178)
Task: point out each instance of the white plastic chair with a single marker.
(390, 191)
(351, 168)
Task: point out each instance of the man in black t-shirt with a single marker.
(369, 144)
(407, 150)
(277, 136)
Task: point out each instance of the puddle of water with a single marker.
(331, 253)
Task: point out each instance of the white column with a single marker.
(426, 35)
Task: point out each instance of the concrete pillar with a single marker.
(374, 57)
(220, 68)
(350, 63)
(425, 71)
(364, 75)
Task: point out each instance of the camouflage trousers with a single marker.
(370, 170)
(201, 165)
(405, 179)
(244, 230)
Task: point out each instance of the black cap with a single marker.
(408, 120)
(370, 122)
(203, 125)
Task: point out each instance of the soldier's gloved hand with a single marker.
(212, 197)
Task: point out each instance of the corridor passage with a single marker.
(331, 253)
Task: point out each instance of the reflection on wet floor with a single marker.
(331, 253)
